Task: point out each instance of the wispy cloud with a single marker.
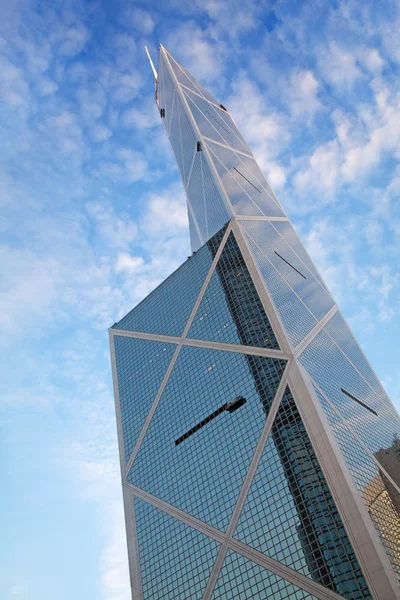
(94, 213)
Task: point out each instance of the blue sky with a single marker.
(94, 217)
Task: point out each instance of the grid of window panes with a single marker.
(203, 475)
(141, 366)
(296, 318)
(211, 122)
(231, 310)
(291, 269)
(333, 372)
(288, 233)
(241, 578)
(185, 78)
(183, 139)
(212, 110)
(175, 560)
(341, 334)
(290, 514)
(248, 191)
(376, 493)
(166, 310)
(208, 206)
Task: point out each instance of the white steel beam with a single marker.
(224, 347)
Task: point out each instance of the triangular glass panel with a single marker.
(211, 123)
(175, 559)
(380, 496)
(206, 200)
(295, 316)
(231, 310)
(141, 366)
(195, 194)
(288, 233)
(166, 310)
(340, 332)
(166, 90)
(370, 414)
(195, 241)
(290, 514)
(244, 183)
(241, 578)
(289, 266)
(203, 473)
(184, 77)
(183, 139)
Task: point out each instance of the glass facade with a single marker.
(231, 310)
(204, 474)
(175, 560)
(242, 578)
(220, 456)
(141, 366)
(290, 514)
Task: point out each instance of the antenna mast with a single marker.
(154, 72)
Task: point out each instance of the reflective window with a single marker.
(241, 578)
(380, 496)
(175, 559)
(167, 309)
(288, 233)
(141, 366)
(212, 124)
(183, 139)
(184, 77)
(296, 318)
(245, 185)
(206, 198)
(231, 310)
(290, 268)
(290, 514)
(166, 91)
(204, 474)
(341, 334)
(333, 371)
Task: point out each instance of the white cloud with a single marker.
(47, 87)
(302, 94)
(144, 117)
(202, 55)
(276, 174)
(119, 232)
(166, 213)
(100, 133)
(337, 65)
(263, 128)
(66, 132)
(247, 16)
(127, 86)
(29, 287)
(71, 40)
(92, 101)
(115, 577)
(372, 59)
(126, 262)
(142, 20)
(14, 89)
(321, 173)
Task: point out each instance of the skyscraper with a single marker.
(251, 426)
